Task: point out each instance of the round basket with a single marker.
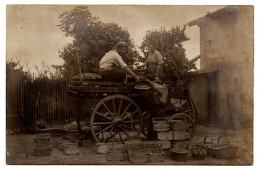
(206, 144)
(223, 150)
(199, 152)
(180, 151)
(143, 90)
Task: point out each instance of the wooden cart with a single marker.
(115, 111)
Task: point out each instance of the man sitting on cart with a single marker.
(113, 68)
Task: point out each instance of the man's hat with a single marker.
(121, 44)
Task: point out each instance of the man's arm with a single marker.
(124, 66)
(128, 70)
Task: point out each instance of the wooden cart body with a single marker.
(99, 102)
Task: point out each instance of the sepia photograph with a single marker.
(129, 84)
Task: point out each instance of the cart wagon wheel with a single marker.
(116, 117)
(188, 120)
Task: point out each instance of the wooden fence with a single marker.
(29, 100)
(14, 102)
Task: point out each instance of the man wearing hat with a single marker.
(113, 68)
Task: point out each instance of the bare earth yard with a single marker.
(19, 150)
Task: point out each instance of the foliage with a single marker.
(169, 44)
(14, 67)
(92, 39)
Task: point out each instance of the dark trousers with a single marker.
(115, 75)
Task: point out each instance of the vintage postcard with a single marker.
(129, 84)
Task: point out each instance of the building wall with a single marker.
(200, 102)
(227, 46)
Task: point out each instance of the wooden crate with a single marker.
(71, 148)
(180, 125)
(166, 144)
(138, 158)
(42, 140)
(43, 151)
(160, 124)
(116, 156)
(54, 140)
(156, 154)
(181, 135)
(116, 146)
(167, 135)
(137, 153)
(130, 142)
(61, 143)
(102, 148)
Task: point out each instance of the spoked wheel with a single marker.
(116, 118)
(188, 121)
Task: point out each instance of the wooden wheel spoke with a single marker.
(104, 129)
(129, 115)
(114, 105)
(110, 135)
(126, 109)
(104, 116)
(124, 131)
(102, 123)
(119, 108)
(120, 136)
(130, 127)
(131, 121)
(110, 113)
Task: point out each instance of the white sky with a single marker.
(33, 35)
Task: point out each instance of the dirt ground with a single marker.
(19, 150)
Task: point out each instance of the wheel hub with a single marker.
(117, 121)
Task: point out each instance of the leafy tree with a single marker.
(169, 44)
(91, 40)
(14, 67)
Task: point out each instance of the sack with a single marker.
(160, 94)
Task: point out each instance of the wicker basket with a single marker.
(222, 150)
(143, 90)
(199, 152)
(180, 151)
(206, 144)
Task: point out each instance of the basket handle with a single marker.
(205, 139)
(220, 137)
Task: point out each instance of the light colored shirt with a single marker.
(155, 58)
(111, 60)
